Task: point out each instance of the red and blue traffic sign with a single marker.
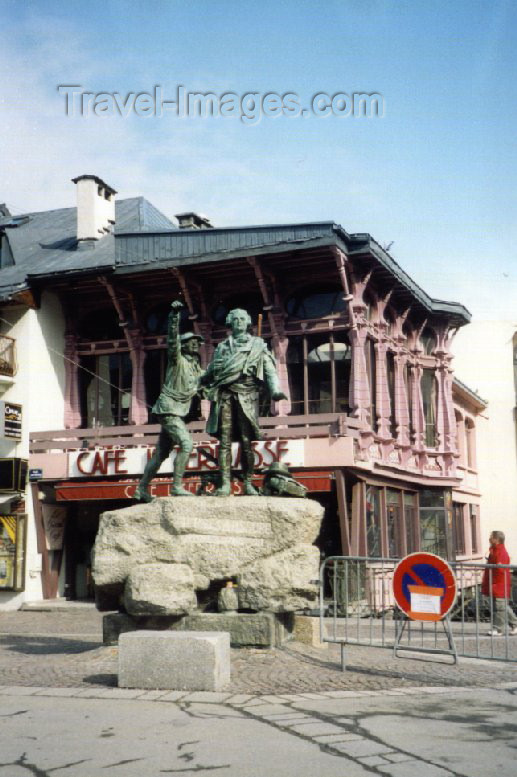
(424, 586)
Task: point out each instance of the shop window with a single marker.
(458, 528)
(411, 522)
(434, 515)
(372, 380)
(429, 403)
(373, 521)
(327, 301)
(12, 552)
(105, 389)
(474, 528)
(319, 373)
(394, 523)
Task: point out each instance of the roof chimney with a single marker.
(95, 207)
(193, 221)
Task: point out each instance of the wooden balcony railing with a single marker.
(276, 427)
(8, 364)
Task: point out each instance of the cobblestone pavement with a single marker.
(64, 650)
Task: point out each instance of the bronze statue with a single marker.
(278, 481)
(240, 365)
(173, 406)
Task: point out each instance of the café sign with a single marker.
(106, 462)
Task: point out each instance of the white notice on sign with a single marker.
(425, 603)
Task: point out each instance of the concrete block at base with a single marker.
(307, 631)
(174, 660)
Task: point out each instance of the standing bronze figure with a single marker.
(240, 366)
(173, 406)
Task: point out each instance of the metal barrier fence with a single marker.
(357, 607)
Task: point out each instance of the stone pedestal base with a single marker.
(171, 660)
(245, 629)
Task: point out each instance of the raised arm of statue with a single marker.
(173, 334)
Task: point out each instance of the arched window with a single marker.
(321, 302)
(319, 373)
(460, 436)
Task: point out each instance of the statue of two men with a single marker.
(240, 366)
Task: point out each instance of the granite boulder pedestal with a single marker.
(163, 564)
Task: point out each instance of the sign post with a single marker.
(425, 589)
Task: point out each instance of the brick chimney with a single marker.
(95, 207)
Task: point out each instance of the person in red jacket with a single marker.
(497, 583)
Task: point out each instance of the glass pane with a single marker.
(295, 372)
(432, 497)
(154, 371)
(458, 528)
(433, 532)
(373, 521)
(343, 363)
(474, 534)
(429, 401)
(410, 515)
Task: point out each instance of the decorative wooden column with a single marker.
(402, 418)
(359, 397)
(417, 404)
(382, 394)
(280, 341)
(138, 413)
(72, 412)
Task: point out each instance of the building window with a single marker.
(411, 522)
(474, 528)
(327, 301)
(372, 380)
(319, 373)
(470, 438)
(105, 389)
(428, 340)
(458, 528)
(252, 303)
(434, 514)
(390, 369)
(373, 521)
(154, 373)
(394, 523)
(12, 552)
(429, 402)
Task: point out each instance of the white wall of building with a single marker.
(39, 387)
(484, 361)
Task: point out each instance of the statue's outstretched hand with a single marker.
(278, 395)
(177, 306)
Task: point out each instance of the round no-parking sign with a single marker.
(424, 586)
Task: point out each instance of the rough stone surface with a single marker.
(281, 583)
(173, 660)
(160, 589)
(262, 629)
(255, 539)
(307, 631)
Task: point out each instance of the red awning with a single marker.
(87, 490)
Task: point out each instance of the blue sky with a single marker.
(435, 175)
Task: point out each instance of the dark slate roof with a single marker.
(46, 246)
(46, 243)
